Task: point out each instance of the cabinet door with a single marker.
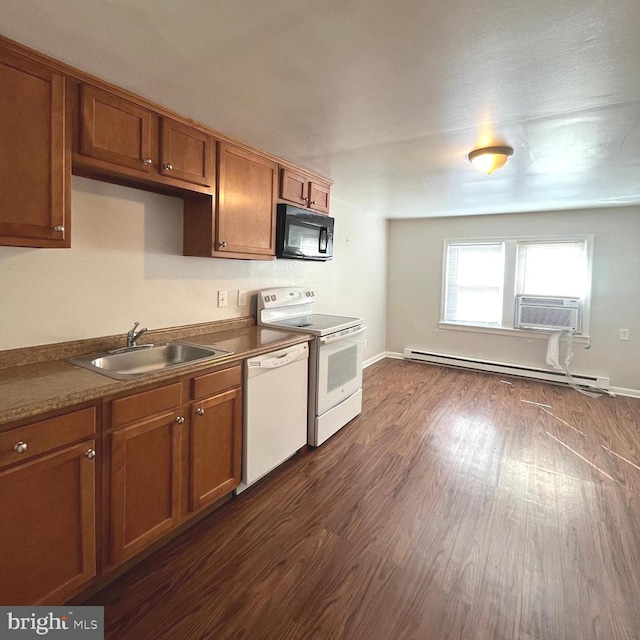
(115, 130)
(246, 202)
(47, 527)
(145, 476)
(294, 187)
(216, 447)
(186, 153)
(34, 155)
(319, 197)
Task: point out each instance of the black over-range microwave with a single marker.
(303, 235)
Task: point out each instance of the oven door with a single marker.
(339, 368)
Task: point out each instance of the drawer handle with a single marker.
(180, 420)
(200, 412)
(21, 447)
(90, 453)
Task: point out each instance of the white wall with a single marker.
(125, 265)
(415, 281)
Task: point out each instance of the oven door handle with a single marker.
(330, 339)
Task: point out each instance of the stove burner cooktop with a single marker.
(317, 323)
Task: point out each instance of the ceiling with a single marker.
(385, 98)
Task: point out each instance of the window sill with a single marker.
(538, 334)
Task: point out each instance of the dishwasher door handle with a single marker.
(274, 362)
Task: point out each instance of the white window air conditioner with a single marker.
(557, 313)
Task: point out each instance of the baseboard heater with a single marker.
(506, 368)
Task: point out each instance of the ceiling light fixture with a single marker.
(490, 159)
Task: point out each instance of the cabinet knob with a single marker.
(59, 228)
(180, 420)
(313, 202)
(21, 447)
(222, 244)
(200, 412)
(168, 167)
(147, 161)
(305, 199)
(90, 453)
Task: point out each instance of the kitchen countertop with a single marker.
(28, 390)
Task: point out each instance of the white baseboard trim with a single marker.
(618, 391)
(381, 356)
(621, 391)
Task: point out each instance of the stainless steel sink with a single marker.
(124, 364)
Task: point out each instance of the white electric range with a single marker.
(335, 357)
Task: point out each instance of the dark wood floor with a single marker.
(450, 508)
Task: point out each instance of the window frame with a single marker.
(510, 249)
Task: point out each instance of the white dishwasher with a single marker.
(275, 410)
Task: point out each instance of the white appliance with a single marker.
(559, 313)
(275, 410)
(335, 365)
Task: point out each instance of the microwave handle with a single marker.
(324, 231)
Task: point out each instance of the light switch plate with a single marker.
(222, 298)
(242, 297)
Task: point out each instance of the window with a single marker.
(475, 275)
(482, 278)
(552, 268)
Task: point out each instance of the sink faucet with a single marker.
(132, 335)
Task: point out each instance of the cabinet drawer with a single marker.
(46, 435)
(212, 383)
(145, 404)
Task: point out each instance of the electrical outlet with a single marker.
(242, 297)
(624, 334)
(364, 343)
(222, 298)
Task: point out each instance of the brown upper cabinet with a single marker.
(57, 120)
(122, 138)
(246, 202)
(304, 190)
(241, 221)
(34, 155)
(186, 153)
(115, 130)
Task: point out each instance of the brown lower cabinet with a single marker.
(48, 507)
(172, 450)
(216, 447)
(166, 453)
(145, 484)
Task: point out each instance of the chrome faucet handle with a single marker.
(132, 335)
